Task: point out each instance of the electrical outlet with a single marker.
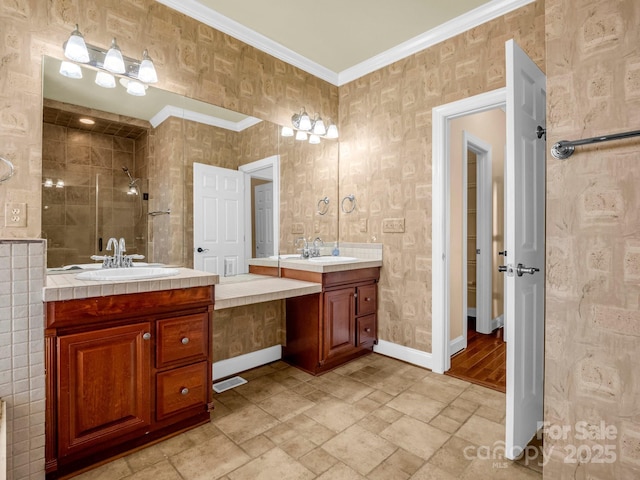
(297, 228)
(393, 225)
(15, 215)
(363, 225)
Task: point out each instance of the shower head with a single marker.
(133, 188)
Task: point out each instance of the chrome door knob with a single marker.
(521, 270)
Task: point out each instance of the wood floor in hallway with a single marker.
(483, 362)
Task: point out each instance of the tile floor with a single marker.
(375, 418)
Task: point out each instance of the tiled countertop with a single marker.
(310, 266)
(67, 287)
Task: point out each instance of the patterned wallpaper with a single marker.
(385, 155)
(191, 58)
(593, 241)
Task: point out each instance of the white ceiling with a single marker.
(341, 40)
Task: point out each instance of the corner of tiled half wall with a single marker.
(22, 381)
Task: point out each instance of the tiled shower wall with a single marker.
(22, 385)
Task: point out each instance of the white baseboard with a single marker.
(231, 366)
(406, 354)
(471, 312)
(456, 345)
(497, 322)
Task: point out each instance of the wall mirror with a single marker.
(131, 175)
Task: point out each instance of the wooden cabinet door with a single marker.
(339, 323)
(104, 386)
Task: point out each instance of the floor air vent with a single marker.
(228, 384)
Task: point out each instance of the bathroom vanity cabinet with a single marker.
(124, 371)
(339, 324)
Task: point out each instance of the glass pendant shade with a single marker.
(135, 88)
(70, 70)
(314, 139)
(332, 131)
(305, 121)
(113, 61)
(300, 135)
(76, 49)
(147, 72)
(318, 127)
(105, 80)
(287, 132)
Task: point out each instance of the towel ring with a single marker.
(352, 199)
(320, 209)
(12, 170)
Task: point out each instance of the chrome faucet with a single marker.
(118, 259)
(317, 243)
(304, 251)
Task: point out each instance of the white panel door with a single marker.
(525, 245)
(218, 220)
(263, 200)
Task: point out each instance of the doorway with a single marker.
(476, 191)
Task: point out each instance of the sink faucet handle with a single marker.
(121, 245)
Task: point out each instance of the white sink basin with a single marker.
(120, 274)
(332, 259)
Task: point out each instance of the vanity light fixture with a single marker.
(108, 64)
(48, 183)
(315, 128)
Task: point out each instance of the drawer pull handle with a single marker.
(368, 330)
(185, 340)
(146, 336)
(184, 391)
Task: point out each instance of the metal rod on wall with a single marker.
(564, 148)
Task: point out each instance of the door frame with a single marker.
(252, 170)
(484, 232)
(440, 207)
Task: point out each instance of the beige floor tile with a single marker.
(160, 471)
(456, 413)
(210, 460)
(373, 424)
(490, 414)
(343, 388)
(285, 405)
(310, 429)
(415, 436)
(482, 432)
(259, 389)
(145, 458)
(445, 423)
(437, 389)
(274, 464)
(387, 414)
(246, 423)
(359, 449)
(256, 446)
(335, 414)
(280, 433)
(318, 461)
(115, 470)
(340, 471)
(297, 446)
(380, 397)
(417, 406)
(175, 445)
(497, 469)
(431, 472)
(464, 404)
(401, 465)
(484, 396)
(452, 458)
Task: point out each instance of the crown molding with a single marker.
(456, 26)
(173, 111)
(236, 30)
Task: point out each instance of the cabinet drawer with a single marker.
(182, 339)
(366, 330)
(367, 299)
(182, 388)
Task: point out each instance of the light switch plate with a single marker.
(393, 225)
(15, 215)
(363, 225)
